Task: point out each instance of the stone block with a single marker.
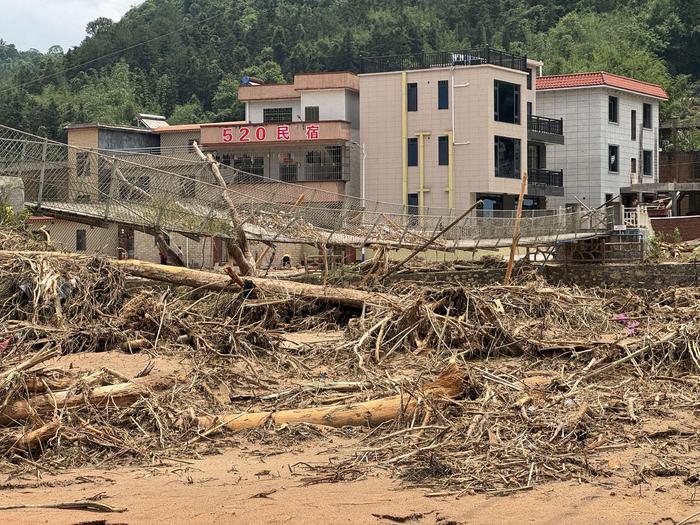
(12, 193)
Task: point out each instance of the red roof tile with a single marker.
(601, 78)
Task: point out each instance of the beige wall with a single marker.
(63, 235)
(381, 107)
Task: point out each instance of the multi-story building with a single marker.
(305, 133)
(442, 130)
(612, 128)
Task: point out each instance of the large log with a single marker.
(122, 394)
(450, 384)
(217, 282)
(27, 441)
(213, 281)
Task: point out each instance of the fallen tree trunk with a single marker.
(217, 282)
(122, 394)
(213, 281)
(30, 440)
(450, 384)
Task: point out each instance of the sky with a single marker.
(40, 24)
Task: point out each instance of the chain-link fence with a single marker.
(176, 191)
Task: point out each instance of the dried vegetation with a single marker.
(534, 382)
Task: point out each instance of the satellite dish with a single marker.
(245, 80)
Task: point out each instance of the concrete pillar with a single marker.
(12, 193)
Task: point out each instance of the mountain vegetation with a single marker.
(185, 58)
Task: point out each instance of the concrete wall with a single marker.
(126, 140)
(474, 128)
(584, 157)
(254, 110)
(330, 102)
(63, 235)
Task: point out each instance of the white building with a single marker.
(611, 129)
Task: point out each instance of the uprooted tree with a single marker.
(238, 248)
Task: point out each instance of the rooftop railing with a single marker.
(472, 57)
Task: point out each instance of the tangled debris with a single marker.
(547, 383)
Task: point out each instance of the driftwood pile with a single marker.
(456, 389)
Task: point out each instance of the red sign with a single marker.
(262, 134)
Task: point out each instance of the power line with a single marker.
(107, 55)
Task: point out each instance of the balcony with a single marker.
(473, 57)
(544, 129)
(542, 182)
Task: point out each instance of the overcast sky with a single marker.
(43, 23)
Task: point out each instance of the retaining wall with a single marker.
(649, 276)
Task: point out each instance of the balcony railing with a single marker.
(473, 57)
(546, 177)
(551, 126)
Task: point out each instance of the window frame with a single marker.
(497, 86)
(443, 94)
(617, 158)
(443, 150)
(276, 115)
(633, 124)
(412, 97)
(412, 154)
(314, 109)
(647, 167)
(613, 109)
(517, 158)
(80, 240)
(646, 106)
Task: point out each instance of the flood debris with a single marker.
(457, 389)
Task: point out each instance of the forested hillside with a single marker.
(196, 51)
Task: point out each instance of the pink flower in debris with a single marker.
(4, 344)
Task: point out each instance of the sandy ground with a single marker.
(257, 483)
(241, 487)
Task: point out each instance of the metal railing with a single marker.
(546, 177)
(472, 57)
(548, 125)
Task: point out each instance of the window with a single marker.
(613, 161)
(633, 165)
(507, 157)
(80, 240)
(311, 114)
(443, 151)
(506, 102)
(613, 103)
(443, 95)
(529, 79)
(277, 115)
(412, 97)
(249, 165)
(413, 206)
(633, 125)
(646, 116)
(413, 152)
(608, 197)
(647, 163)
(529, 109)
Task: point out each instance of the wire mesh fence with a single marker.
(176, 191)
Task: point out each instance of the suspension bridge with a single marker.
(176, 191)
